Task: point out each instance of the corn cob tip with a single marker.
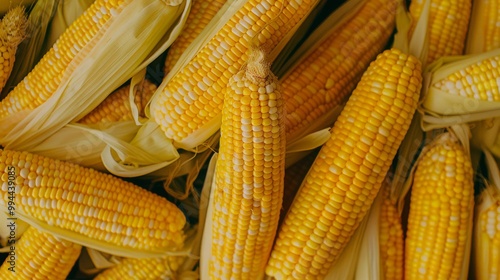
(13, 26)
(257, 67)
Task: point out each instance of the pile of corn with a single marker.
(250, 139)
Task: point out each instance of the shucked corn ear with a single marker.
(447, 24)
(143, 269)
(31, 92)
(40, 255)
(116, 107)
(439, 222)
(484, 30)
(77, 202)
(201, 13)
(12, 31)
(349, 170)
(326, 77)
(188, 107)
(249, 173)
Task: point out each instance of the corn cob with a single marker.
(478, 80)
(448, 22)
(390, 238)
(188, 108)
(143, 269)
(80, 200)
(349, 170)
(249, 173)
(201, 13)
(31, 93)
(116, 106)
(440, 212)
(329, 74)
(40, 255)
(484, 30)
(12, 32)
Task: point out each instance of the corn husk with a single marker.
(92, 261)
(30, 50)
(441, 109)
